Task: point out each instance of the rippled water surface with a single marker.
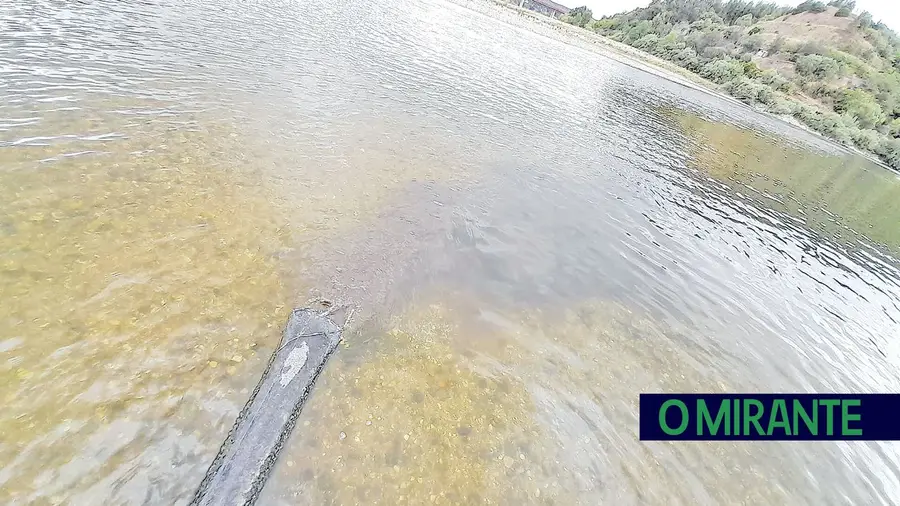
(532, 233)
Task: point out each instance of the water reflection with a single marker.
(533, 234)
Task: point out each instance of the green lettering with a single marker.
(684, 417)
(779, 418)
(754, 418)
(846, 417)
(812, 424)
(704, 417)
(829, 404)
(737, 417)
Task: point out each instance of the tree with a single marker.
(864, 20)
(810, 6)
(647, 42)
(722, 71)
(862, 106)
(820, 67)
(688, 59)
(843, 4)
(753, 43)
(894, 128)
(843, 12)
(745, 20)
(579, 16)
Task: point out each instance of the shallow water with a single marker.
(532, 234)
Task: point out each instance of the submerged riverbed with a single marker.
(532, 234)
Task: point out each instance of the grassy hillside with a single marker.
(835, 70)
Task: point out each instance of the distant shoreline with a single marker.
(635, 58)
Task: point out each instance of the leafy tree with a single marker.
(579, 16)
(865, 138)
(749, 91)
(745, 20)
(889, 150)
(894, 128)
(775, 80)
(864, 20)
(722, 71)
(669, 46)
(751, 70)
(638, 31)
(810, 6)
(862, 106)
(843, 4)
(701, 41)
(811, 47)
(688, 59)
(714, 53)
(821, 67)
(647, 42)
(753, 43)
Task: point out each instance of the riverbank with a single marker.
(636, 58)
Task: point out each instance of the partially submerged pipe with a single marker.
(239, 471)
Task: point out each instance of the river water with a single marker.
(532, 234)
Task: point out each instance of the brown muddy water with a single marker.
(532, 233)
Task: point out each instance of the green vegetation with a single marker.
(579, 16)
(836, 72)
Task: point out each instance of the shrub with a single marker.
(781, 106)
(811, 47)
(753, 43)
(606, 24)
(703, 40)
(775, 80)
(751, 70)
(889, 151)
(748, 91)
(637, 31)
(734, 33)
(722, 71)
(754, 30)
(843, 12)
(745, 20)
(647, 42)
(821, 67)
(862, 106)
(865, 138)
(811, 6)
(688, 59)
(579, 16)
(894, 128)
(714, 52)
(669, 46)
(819, 89)
(828, 123)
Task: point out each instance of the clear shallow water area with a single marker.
(532, 234)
